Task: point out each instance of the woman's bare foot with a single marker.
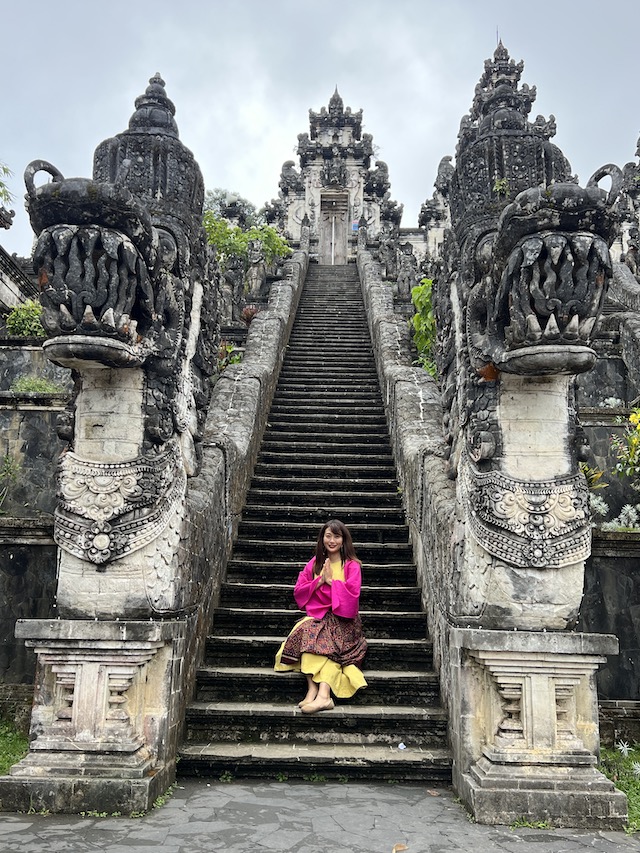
(310, 697)
(321, 703)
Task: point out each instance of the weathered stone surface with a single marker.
(27, 590)
(27, 425)
(611, 604)
(18, 360)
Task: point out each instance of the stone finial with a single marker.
(154, 111)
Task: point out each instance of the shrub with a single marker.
(23, 321)
(423, 324)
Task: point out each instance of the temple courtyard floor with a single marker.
(306, 817)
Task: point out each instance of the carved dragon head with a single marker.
(123, 266)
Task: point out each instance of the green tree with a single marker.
(231, 240)
(231, 205)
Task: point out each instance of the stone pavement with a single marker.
(202, 817)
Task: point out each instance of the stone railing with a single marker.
(414, 411)
(238, 412)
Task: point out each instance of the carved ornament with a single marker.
(109, 510)
(542, 524)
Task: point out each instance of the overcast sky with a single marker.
(244, 74)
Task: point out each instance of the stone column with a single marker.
(525, 727)
(103, 728)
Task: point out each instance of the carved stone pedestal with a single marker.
(106, 712)
(527, 740)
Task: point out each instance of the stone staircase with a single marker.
(325, 454)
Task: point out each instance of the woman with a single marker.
(327, 645)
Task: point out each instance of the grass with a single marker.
(13, 746)
(35, 384)
(622, 766)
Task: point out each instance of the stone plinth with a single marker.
(525, 728)
(105, 718)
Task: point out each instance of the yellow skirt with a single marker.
(344, 681)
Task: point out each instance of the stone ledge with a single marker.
(537, 642)
(63, 630)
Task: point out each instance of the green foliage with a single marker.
(627, 447)
(35, 384)
(593, 477)
(315, 777)
(530, 824)
(9, 469)
(423, 324)
(622, 767)
(164, 798)
(228, 354)
(501, 187)
(226, 776)
(231, 240)
(6, 197)
(274, 245)
(13, 745)
(23, 321)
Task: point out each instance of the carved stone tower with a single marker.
(129, 303)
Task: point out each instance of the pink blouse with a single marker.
(341, 597)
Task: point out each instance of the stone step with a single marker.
(338, 471)
(330, 397)
(301, 551)
(274, 595)
(326, 500)
(257, 684)
(277, 443)
(342, 427)
(378, 439)
(257, 651)
(325, 453)
(277, 510)
(262, 571)
(318, 459)
(275, 722)
(331, 485)
(337, 355)
(331, 384)
(382, 533)
(315, 763)
(327, 368)
(381, 625)
(327, 400)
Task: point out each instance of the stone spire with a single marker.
(336, 104)
(500, 152)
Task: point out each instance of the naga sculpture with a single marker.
(124, 269)
(528, 267)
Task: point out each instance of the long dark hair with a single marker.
(347, 551)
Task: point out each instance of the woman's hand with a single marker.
(327, 572)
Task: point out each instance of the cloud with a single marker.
(243, 76)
